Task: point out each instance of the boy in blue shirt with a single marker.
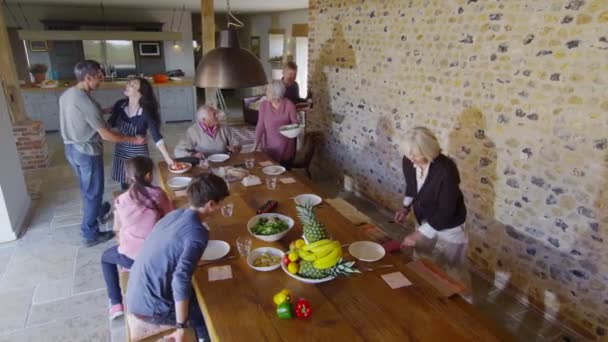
(160, 289)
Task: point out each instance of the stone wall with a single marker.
(517, 93)
(30, 139)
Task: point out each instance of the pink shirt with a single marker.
(137, 221)
(270, 119)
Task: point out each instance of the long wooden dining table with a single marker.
(357, 308)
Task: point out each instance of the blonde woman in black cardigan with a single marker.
(433, 194)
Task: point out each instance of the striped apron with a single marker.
(126, 151)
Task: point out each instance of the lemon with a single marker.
(293, 268)
(293, 256)
(300, 243)
(279, 298)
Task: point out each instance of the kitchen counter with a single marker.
(176, 99)
(110, 85)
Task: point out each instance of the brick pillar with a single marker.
(31, 144)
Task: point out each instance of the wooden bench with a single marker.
(190, 334)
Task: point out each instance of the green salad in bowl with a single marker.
(269, 227)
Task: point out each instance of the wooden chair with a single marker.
(312, 141)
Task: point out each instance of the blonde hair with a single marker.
(420, 141)
(276, 89)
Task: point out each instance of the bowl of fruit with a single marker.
(269, 227)
(316, 262)
(180, 167)
(265, 259)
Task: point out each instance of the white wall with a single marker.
(182, 58)
(14, 199)
(259, 24)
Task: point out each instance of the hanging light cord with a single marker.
(231, 19)
(181, 16)
(172, 15)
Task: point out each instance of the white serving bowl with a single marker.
(177, 183)
(273, 170)
(180, 171)
(254, 254)
(308, 199)
(218, 158)
(291, 131)
(270, 238)
(306, 280)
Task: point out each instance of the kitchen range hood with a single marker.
(229, 66)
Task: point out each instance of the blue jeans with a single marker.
(109, 259)
(89, 170)
(195, 318)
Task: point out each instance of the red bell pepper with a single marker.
(303, 309)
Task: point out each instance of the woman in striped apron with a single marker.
(136, 115)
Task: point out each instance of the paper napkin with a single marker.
(396, 280)
(180, 193)
(220, 273)
(266, 163)
(288, 180)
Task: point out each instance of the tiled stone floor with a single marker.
(51, 289)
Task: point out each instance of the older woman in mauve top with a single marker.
(274, 112)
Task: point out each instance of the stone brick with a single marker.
(528, 74)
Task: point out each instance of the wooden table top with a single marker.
(358, 308)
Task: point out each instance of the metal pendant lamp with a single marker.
(229, 66)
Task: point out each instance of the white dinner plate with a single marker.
(273, 170)
(179, 182)
(218, 158)
(308, 199)
(216, 249)
(189, 166)
(366, 251)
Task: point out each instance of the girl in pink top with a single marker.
(136, 212)
(274, 112)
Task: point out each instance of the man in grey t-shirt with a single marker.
(83, 129)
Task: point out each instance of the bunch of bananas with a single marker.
(323, 254)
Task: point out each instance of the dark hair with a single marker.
(207, 188)
(148, 101)
(86, 68)
(291, 65)
(136, 169)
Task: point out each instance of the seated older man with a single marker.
(207, 136)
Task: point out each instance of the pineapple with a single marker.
(307, 270)
(313, 229)
(341, 269)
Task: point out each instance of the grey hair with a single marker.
(85, 68)
(203, 111)
(276, 89)
(422, 142)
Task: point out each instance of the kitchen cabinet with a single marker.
(176, 103)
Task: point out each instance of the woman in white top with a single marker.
(433, 194)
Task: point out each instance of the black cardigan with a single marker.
(440, 201)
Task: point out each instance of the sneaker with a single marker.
(101, 237)
(105, 213)
(116, 311)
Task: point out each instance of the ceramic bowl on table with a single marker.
(366, 251)
(273, 170)
(180, 167)
(258, 252)
(306, 280)
(291, 131)
(177, 183)
(274, 237)
(218, 158)
(310, 199)
(215, 250)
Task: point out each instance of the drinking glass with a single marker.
(250, 163)
(243, 244)
(204, 164)
(271, 182)
(227, 209)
